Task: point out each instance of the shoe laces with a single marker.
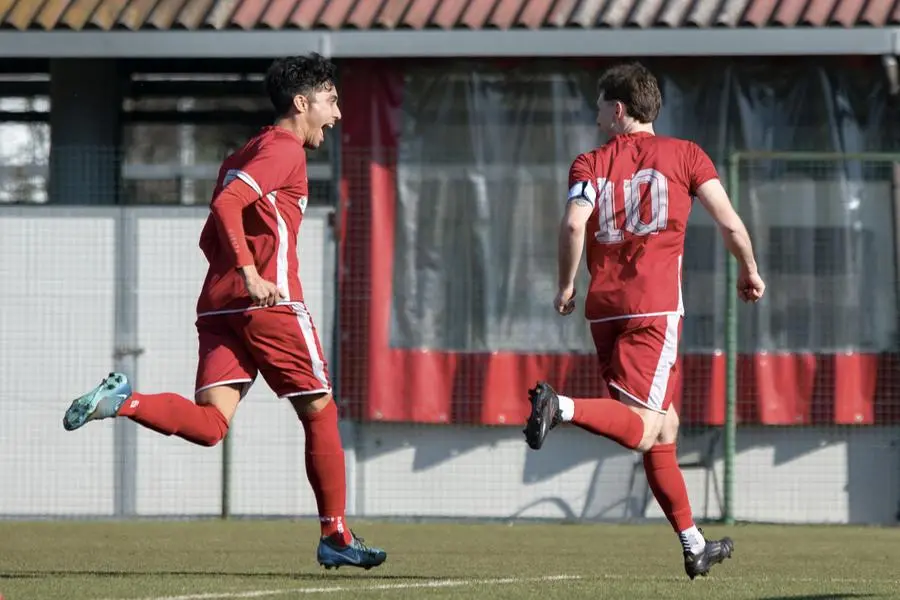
(360, 542)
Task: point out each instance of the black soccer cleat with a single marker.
(716, 551)
(544, 414)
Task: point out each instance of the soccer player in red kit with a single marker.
(631, 199)
(251, 317)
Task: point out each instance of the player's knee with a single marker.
(647, 442)
(208, 441)
(320, 403)
(658, 430)
(214, 430)
(314, 406)
(651, 432)
(651, 422)
(668, 434)
(214, 436)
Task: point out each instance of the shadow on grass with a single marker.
(842, 596)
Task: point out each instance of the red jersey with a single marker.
(273, 164)
(641, 187)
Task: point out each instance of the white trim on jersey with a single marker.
(583, 190)
(231, 311)
(281, 262)
(678, 311)
(306, 327)
(302, 203)
(246, 178)
(635, 316)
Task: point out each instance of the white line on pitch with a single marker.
(725, 577)
(434, 583)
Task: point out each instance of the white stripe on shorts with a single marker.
(306, 326)
(667, 359)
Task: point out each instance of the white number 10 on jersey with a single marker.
(647, 186)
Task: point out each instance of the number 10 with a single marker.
(656, 190)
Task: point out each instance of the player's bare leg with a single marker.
(224, 398)
(204, 422)
(325, 469)
(648, 431)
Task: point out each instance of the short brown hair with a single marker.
(636, 87)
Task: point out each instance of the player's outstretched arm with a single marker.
(737, 240)
(571, 244)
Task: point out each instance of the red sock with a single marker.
(325, 470)
(171, 414)
(611, 419)
(667, 483)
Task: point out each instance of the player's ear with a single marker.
(301, 103)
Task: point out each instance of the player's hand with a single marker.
(564, 303)
(750, 286)
(262, 292)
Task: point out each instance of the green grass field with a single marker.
(210, 560)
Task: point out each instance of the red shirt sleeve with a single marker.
(582, 186)
(274, 166)
(227, 210)
(700, 168)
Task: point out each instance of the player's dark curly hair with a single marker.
(636, 87)
(297, 76)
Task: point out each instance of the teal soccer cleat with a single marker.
(355, 554)
(101, 402)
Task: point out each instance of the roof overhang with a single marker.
(446, 44)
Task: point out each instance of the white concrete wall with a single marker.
(56, 336)
(822, 475)
(56, 340)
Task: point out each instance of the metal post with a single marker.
(226, 475)
(351, 431)
(187, 153)
(731, 353)
(125, 358)
(895, 205)
(335, 221)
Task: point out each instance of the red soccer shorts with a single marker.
(638, 357)
(280, 342)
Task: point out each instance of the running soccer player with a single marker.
(251, 318)
(631, 198)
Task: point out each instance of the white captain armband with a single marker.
(583, 193)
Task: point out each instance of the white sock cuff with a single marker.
(566, 408)
(692, 540)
